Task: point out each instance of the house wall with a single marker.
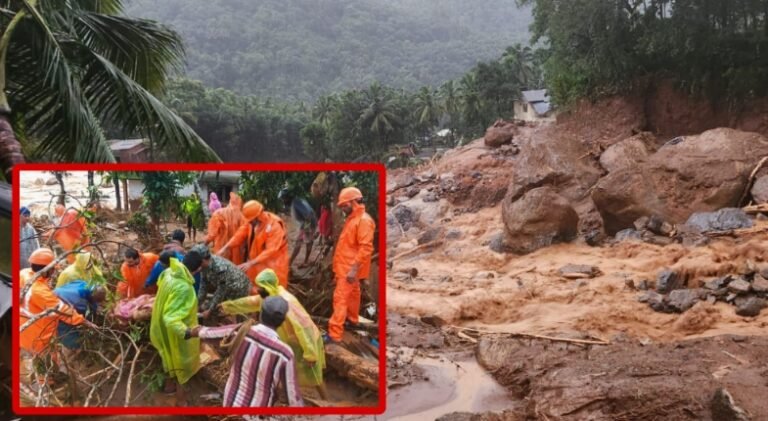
(525, 112)
(139, 153)
(136, 189)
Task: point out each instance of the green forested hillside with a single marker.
(301, 49)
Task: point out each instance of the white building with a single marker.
(221, 182)
(535, 106)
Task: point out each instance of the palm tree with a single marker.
(519, 59)
(380, 116)
(472, 103)
(449, 96)
(426, 108)
(69, 70)
(324, 108)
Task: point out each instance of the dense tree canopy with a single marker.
(72, 72)
(303, 49)
(353, 125)
(713, 47)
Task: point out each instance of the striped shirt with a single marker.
(260, 365)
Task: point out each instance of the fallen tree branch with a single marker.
(530, 335)
(130, 377)
(521, 271)
(120, 371)
(361, 371)
(39, 316)
(751, 180)
(61, 258)
(763, 207)
(421, 247)
(368, 327)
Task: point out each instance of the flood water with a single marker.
(463, 386)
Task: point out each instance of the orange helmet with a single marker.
(252, 209)
(60, 210)
(42, 256)
(349, 193)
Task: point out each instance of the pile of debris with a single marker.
(748, 292)
(696, 231)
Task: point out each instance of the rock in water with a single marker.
(538, 219)
(680, 300)
(433, 234)
(629, 234)
(718, 283)
(579, 271)
(760, 284)
(499, 244)
(667, 282)
(751, 307)
(722, 220)
(739, 286)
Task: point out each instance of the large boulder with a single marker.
(501, 133)
(760, 190)
(628, 152)
(700, 173)
(538, 219)
(550, 157)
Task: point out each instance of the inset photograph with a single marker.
(199, 288)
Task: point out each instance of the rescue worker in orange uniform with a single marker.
(266, 242)
(71, 231)
(37, 299)
(135, 270)
(351, 262)
(223, 225)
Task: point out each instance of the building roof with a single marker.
(541, 108)
(539, 100)
(540, 95)
(229, 177)
(122, 145)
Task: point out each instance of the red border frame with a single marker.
(209, 410)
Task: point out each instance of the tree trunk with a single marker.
(63, 195)
(361, 371)
(118, 199)
(126, 204)
(91, 187)
(10, 148)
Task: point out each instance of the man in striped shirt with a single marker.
(262, 363)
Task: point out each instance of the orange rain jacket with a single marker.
(268, 244)
(223, 225)
(355, 246)
(71, 232)
(39, 298)
(134, 277)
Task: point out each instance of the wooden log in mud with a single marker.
(372, 328)
(361, 371)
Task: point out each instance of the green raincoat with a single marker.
(298, 330)
(79, 271)
(175, 311)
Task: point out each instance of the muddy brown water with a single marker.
(461, 386)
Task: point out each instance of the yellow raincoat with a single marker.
(175, 311)
(298, 330)
(79, 271)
